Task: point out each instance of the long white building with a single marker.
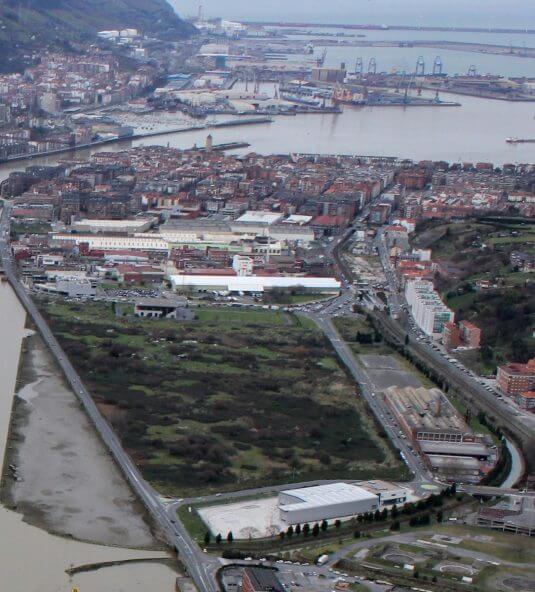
(427, 309)
(184, 282)
(325, 502)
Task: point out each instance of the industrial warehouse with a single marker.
(437, 430)
(324, 502)
(268, 516)
(252, 284)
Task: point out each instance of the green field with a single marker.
(230, 400)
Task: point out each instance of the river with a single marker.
(31, 560)
(474, 132)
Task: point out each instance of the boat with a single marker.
(519, 140)
(300, 100)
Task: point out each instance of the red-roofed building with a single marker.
(451, 337)
(328, 225)
(513, 379)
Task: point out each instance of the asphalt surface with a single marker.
(201, 567)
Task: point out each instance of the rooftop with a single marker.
(323, 495)
(262, 217)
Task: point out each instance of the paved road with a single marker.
(421, 474)
(200, 566)
(523, 426)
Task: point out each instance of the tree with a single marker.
(377, 515)
(440, 516)
(282, 535)
(316, 530)
(394, 512)
(306, 529)
(337, 523)
(230, 536)
(290, 531)
(357, 534)
(207, 538)
(298, 529)
(395, 525)
(324, 525)
(218, 538)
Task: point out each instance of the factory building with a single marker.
(113, 226)
(325, 502)
(252, 284)
(439, 433)
(388, 493)
(163, 308)
(260, 580)
(426, 414)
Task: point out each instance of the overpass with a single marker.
(493, 491)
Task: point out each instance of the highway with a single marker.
(201, 567)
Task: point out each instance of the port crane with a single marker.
(420, 67)
(437, 66)
(321, 59)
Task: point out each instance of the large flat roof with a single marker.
(454, 448)
(325, 495)
(253, 283)
(260, 216)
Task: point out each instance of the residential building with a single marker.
(451, 336)
(427, 309)
(526, 400)
(470, 334)
(513, 379)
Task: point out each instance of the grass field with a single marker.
(233, 399)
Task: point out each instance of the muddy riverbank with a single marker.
(59, 475)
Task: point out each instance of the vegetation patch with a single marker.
(232, 399)
(482, 284)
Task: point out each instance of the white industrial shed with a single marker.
(252, 283)
(325, 502)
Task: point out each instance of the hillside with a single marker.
(29, 24)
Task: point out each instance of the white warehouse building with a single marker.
(325, 502)
(252, 283)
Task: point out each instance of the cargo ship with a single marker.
(520, 140)
(301, 100)
(348, 97)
